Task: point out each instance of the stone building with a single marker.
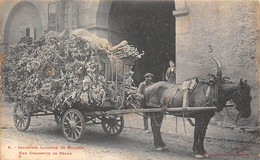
(186, 31)
(226, 30)
(149, 26)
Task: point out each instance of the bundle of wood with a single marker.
(58, 70)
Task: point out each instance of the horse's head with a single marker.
(241, 96)
(242, 99)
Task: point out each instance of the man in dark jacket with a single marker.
(142, 86)
(170, 73)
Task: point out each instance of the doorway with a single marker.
(150, 27)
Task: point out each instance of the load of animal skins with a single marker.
(60, 69)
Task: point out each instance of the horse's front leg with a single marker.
(202, 135)
(156, 122)
(199, 135)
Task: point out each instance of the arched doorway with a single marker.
(23, 20)
(150, 27)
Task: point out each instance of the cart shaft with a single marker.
(127, 111)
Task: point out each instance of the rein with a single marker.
(238, 93)
(238, 115)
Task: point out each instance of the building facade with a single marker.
(149, 26)
(186, 31)
(227, 30)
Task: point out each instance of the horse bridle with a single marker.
(238, 115)
(238, 93)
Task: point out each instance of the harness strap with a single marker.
(212, 96)
(185, 102)
(208, 92)
(190, 121)
(168, 93)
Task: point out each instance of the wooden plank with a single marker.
(127, 111)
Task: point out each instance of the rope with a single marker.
(238, 117)
(229, 115)
(176, 127)
(184, 123)
(156, 121)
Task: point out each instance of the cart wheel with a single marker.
(73, 125)
(21, 116)
(112, 126)
(58, 119)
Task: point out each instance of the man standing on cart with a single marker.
(170, 73)
(142, 86)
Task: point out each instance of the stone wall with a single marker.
(226, 30)
(15, 15)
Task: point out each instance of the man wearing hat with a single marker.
(142, 86)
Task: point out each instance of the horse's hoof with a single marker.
(206, 155)
(159, 149)
(198, 156)
(147, 131)
(164, 147)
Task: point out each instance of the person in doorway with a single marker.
(146, 83)
(170, 73)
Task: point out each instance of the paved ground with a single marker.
(132, 143)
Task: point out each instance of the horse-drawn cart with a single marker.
(81, 82)
(74, 119)
(77, 77)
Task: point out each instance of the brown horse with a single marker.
(168, 95)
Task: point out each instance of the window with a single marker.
(52, 16)
(27, 31)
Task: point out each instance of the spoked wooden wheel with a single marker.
(112, 126)
(21, 116)
(73, 125)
